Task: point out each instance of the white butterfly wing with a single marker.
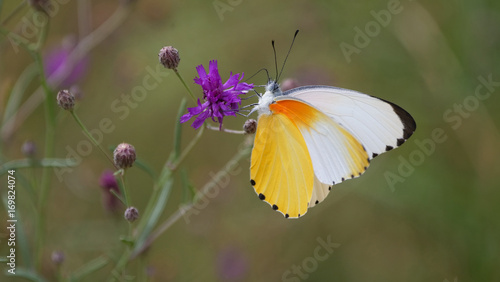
(378, 125)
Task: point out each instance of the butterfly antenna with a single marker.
(275, 61)
(262, 69)
(284, 62)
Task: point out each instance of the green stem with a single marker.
(85, 130)
(215, 128)
(49, 152)
(185, 85)
(27, 163)
(125, 194)
(16, 9)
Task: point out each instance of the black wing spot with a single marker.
(261, 196)
(317, 202)
(287, 215)
(400, 141)
(352, 175)
(298, 215)
(252, 182)
(388, 148)
(368, 159)
(343, 179)
(329, 188)
(374, 155)
(364, 168)
(275, 207)
(407, 133)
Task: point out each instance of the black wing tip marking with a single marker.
(275, 207)
(408, 122)
(287, 215)
(317, 202)
(262, 197)
(388, 148)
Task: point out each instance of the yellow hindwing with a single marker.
(281, 170)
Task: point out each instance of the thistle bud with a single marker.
(131, 214)
(29, 149)
(250, 126)
(66, 100)
(57, 257)
(124, 155)
(169, 57)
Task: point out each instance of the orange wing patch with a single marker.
(335, 153)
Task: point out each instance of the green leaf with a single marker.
(157, 211)
(27, 274)
(178, 130)
(25, 163)
(16, 95)
(146, 168)
(89, 268)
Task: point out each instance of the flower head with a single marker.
(250, 126)
(169, 57)
(65, 100)
(131, 214)
(124, 155)
(221, 99)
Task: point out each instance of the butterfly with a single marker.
(312, 137)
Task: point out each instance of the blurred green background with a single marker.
(437, 222)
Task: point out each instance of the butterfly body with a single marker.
(313, 137)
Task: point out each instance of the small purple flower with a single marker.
(108, 183)
(220, 99)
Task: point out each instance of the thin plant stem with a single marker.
(16, 9)
(174, 166)
(225, 130)
(49, 151)
(85, 130)
(125, 194)
(185, 85)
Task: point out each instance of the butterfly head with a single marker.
(274, 88)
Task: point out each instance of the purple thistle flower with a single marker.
(221, 99)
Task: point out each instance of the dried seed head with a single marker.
(169, 57)
(124, 155)
(131, 214)
(250, 126)
(66, 100)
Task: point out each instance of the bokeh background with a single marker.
(438, 222)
